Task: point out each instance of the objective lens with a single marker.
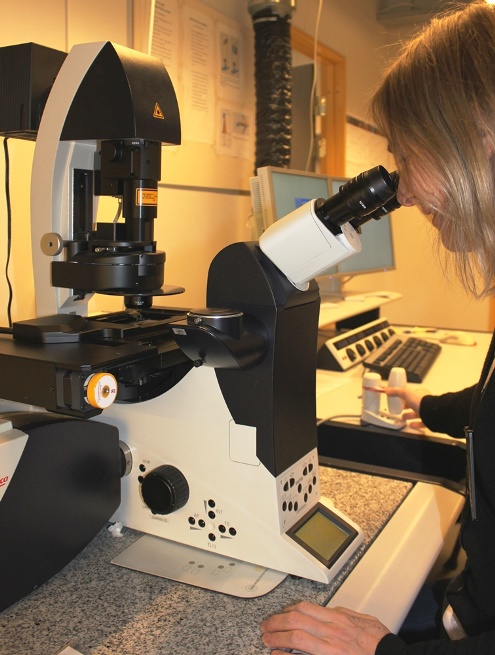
(357, 198)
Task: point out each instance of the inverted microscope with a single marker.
(194, 427)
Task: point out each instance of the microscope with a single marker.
(208, 415)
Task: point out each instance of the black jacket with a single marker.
(472, 594)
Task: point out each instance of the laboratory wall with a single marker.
(204, 199)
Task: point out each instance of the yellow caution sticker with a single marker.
(158, 113)
(146, 197)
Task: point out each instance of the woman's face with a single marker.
(416, 188)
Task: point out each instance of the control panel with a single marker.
(341, 351)
(298, 488)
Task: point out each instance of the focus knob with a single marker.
(165, 489)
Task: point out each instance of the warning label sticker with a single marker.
(146, 197)
(158, 113)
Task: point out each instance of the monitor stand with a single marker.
(331, 288)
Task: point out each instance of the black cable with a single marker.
(9, 228)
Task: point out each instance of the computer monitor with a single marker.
(276, 192)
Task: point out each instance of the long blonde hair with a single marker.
(436, 106)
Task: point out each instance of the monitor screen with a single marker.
(281, 190)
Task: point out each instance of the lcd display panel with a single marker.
(323, 534)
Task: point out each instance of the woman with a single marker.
(436, 106)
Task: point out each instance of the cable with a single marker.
(313, 86)
(336, 417)
(9, 228)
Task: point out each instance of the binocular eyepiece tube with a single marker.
(371, 194)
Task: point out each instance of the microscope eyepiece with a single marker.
(360, 199)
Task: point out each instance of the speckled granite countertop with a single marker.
(108, 610)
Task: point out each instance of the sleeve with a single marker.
(448, 413)
(483, 644)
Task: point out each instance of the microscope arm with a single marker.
(318, 235)
(107, 114)
(302, 247)
(292, 252)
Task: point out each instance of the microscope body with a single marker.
(215, 407)
(226, 460)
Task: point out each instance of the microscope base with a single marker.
(197, 567)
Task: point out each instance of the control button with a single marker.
(222, 529)
(201, 523)
(369, 345)
(351, 354)
(192, 520)
(211, 503)
(377, 340)
(361, 349)
(212, 537)
(232, 532)
(212, 515)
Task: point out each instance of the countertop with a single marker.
(107, 610)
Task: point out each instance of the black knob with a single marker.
(165, 489)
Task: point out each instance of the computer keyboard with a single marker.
(415, 355)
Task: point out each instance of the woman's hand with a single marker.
(412, 400)
(320, 630)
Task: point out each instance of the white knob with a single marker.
(396, 378)
(371, 398)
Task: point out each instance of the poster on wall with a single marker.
(230, 63)
(205, 54)
(233, 132)
(164, 36)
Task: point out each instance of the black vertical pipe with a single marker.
(273, 81)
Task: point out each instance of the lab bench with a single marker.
(109, 610)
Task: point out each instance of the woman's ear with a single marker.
(488, 143)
